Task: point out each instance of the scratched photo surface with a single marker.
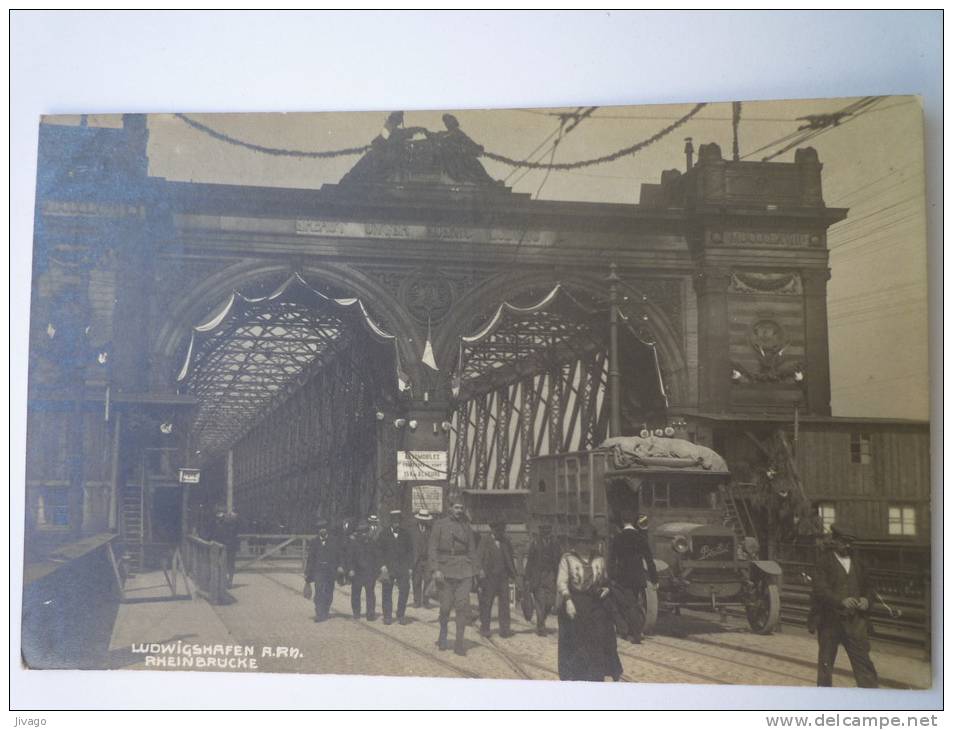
(630, 394)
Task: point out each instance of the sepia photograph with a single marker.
(620, 394)
(336, 370)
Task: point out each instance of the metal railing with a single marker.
(900, 612)
(205, 562)
(254, 549)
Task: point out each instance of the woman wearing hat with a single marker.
(587, 643)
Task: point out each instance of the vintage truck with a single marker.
(703, 558)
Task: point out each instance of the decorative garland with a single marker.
(612, 157)
(270, 150)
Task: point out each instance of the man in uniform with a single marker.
(396, 555)
(629, 558)
(842, 596)
(421, 537)
(363, 566)
(452, 556)
(324, 565)
(495, 561)
(542, 563)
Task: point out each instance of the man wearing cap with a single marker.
(452, 556)
(324, 564)
(542, 561)
(396, 550)
(841, 598)
(495, 561)
(629, 558)
(421, 538)
(363, 566)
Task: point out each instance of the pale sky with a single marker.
(873, 164)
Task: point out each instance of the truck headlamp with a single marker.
(680, 544)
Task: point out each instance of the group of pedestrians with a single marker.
(593, 600)
(369, 554)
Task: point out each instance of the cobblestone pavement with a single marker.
(269, 612)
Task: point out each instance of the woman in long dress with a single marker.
(587, 641)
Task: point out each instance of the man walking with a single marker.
(421, 538)
(841, 598)
(363, 564)
(452, 555)
(629, 558)
(323, 566)
(396, 556)
(542, 563)
(495, 561)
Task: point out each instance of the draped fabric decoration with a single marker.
(532, 380)
(256, 349)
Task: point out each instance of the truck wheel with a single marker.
(651, 609)
(765, 614)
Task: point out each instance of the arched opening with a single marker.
(291, 373)
(531, 378)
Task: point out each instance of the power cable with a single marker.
(611, 157)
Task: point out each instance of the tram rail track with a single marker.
(524, 667)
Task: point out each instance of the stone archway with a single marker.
(386, 309)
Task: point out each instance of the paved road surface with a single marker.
(270, 615)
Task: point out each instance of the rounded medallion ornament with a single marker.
(427, 296)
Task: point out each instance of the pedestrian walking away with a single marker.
(452, 556)
(324, 564)
(225, 532)
(841, 598)
(421, 538)
(396, 550)
(630, 559)
(363, 567)
(497, 567)
(587, 648)
(539, 578)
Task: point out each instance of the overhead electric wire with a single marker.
(896, 171)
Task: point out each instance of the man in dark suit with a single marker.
(542, 563)
(630, 557)
(841, 601)
(421, 536)
(397, 556)
(324, 564)
(363, 567)
(495, 561)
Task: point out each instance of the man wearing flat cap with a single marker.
(495, 561)
(452, 556)
(397, 556)
(324, 564)
(841, 600)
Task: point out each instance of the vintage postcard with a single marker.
(632, 394)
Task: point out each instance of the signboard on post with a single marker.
(422, 466)
(189, 476)
(426, 496)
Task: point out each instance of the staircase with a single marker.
(736, 513)
(132, 527)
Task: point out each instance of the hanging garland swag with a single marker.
(612, 157)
